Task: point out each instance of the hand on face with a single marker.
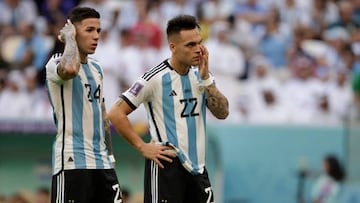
(203, 65)
(67, 31)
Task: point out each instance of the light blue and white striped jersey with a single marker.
(176, 110)
(80, 140)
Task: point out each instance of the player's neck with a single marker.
(83, 59)
(178, 67)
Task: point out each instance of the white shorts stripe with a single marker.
(154, 182)
(57, 188)
(60, 188)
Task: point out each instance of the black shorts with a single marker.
(174, 184)
(85, 186)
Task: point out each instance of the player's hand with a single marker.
(157, 152)
(204, 65)
(67, 32)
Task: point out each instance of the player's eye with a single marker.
(191, 45)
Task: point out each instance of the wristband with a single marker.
(207, 82)
(112, 158)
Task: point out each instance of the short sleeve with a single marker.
(138, 93)
(51, 69)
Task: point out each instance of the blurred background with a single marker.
(290, 69)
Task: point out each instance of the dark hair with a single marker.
(181, 22)
(77, 14)
(335, 169)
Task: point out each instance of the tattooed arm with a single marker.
(216, 102)
(107, 130)
(70, 60)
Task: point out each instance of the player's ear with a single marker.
(172, 47)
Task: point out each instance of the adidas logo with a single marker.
(173, 93)
(70, 159)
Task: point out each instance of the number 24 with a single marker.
(95, 94)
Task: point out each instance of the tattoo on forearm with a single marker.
(119, 101)
(217, 102)
(107, 130)
(70, 57)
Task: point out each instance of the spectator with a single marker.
(151, 31)
(14, 12)
(266, 104)
(221, 51)
(337, 39)
(251, 11)
(13, 97)
(346, 19)
(301, 89)
(38, 106)
(31, 50)
(323, 113)
(176, 7)
(275, 40)
(297, 57)
(216, 10)
(293, 14)
(3, 76)
(340, 94)
(356, 4)
(356, 92)
(327, 186)
(323, 13)
(129, 14)
(101, 6)
(56, 10)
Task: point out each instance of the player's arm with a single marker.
(108, 134)
(70, 60)
(118, 117)
(216, 102)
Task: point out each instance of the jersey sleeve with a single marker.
(138, 93)
(51, 69)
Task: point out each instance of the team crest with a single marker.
(201, 89)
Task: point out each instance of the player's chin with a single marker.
(195, 62)
(91, 50)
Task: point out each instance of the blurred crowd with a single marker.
(41, 195)
(277, 61)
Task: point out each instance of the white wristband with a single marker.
(208, 81)
(112, 158)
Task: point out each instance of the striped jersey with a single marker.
(176, 110)
(80, 139)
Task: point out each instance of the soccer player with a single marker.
(82, 161)
(175, 94)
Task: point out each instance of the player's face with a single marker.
(186, 49)
(87, 35)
